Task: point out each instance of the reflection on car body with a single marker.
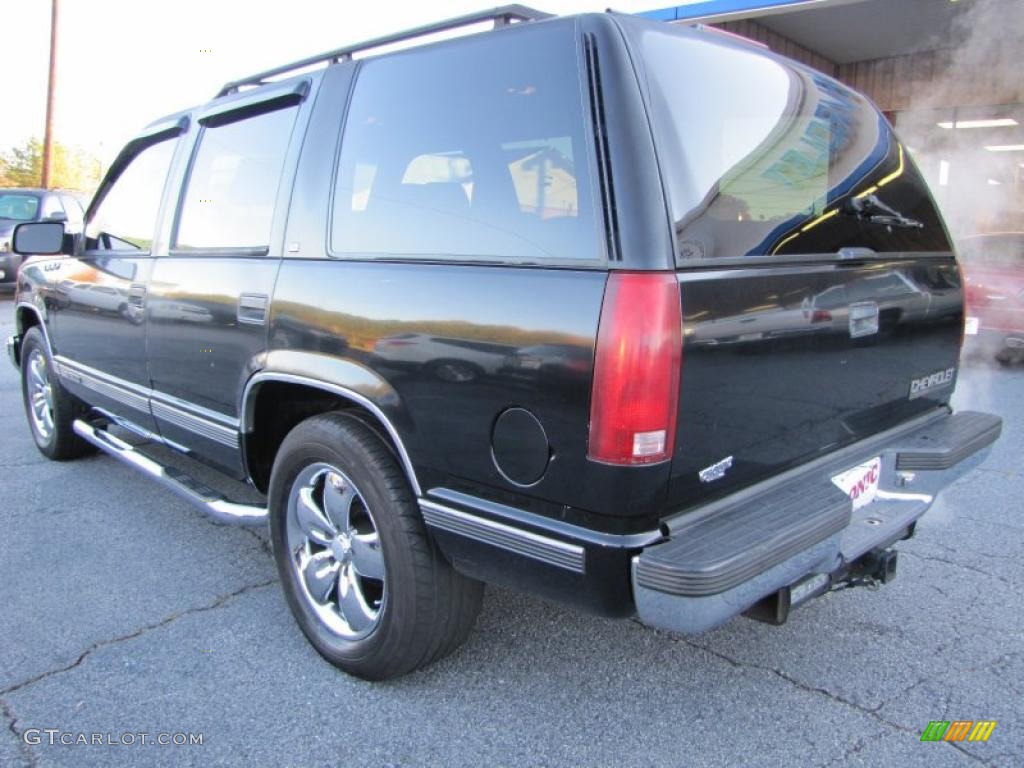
(449, 359)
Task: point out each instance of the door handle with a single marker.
(252, 308)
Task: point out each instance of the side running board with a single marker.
(188, 488)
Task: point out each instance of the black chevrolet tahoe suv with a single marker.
(639, 317)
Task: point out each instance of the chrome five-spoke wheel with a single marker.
(364, 581)
(334, 547)
(40, 394)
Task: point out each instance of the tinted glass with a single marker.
(126, 218)
(471, 150)
(763, 156)
(229, 200)
(18, 207)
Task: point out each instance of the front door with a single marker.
(99, 293)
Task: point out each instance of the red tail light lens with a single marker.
(821, 316)
(636, 369)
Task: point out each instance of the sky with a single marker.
(123, 63)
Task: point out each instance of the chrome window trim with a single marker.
(553, 552)
(246, 425)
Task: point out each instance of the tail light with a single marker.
(636, 369)
(964, 301)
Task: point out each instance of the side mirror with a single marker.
(42, 238)
(57, 216)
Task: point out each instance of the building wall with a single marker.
(942, 78)
(932, 79)
(778, 43)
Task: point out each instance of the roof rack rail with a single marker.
(506, 14)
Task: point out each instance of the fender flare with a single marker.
(346, 378)
(30, 307)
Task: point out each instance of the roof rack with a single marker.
(502, 16)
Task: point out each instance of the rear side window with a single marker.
(126, 217)
(231, 191)
(764, 157)
(473, 150)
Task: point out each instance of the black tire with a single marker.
(428, 610)
(61, 443)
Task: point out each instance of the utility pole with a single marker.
(48, 133)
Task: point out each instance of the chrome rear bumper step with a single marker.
(208, 500)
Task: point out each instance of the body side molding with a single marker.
(193, 418)
(559, 554)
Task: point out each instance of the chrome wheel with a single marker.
(334, 551)
(39, 392)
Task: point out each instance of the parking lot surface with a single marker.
(126, 611)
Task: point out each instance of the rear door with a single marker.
(821, 299)
(208, 295)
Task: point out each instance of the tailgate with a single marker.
(783, 364)
(821, 300)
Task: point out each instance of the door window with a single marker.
(126, 217)
(231, 191)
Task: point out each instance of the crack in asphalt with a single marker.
(219, 602)
(1015, 559)
(12, 725)
(264, 543)
(931, 678)
(835, 697)
(847, 754)
(964, 566)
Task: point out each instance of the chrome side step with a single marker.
(188, 488)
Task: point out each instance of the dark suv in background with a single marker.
(19, 205)
(536, 307)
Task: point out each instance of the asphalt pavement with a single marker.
(125, 611)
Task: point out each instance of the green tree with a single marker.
(73, 167)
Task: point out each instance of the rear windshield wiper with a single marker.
(869, 208)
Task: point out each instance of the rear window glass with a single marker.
(763, 156)
(473, 151)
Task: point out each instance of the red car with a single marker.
(993, 267)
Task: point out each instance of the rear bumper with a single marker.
(719, 561)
